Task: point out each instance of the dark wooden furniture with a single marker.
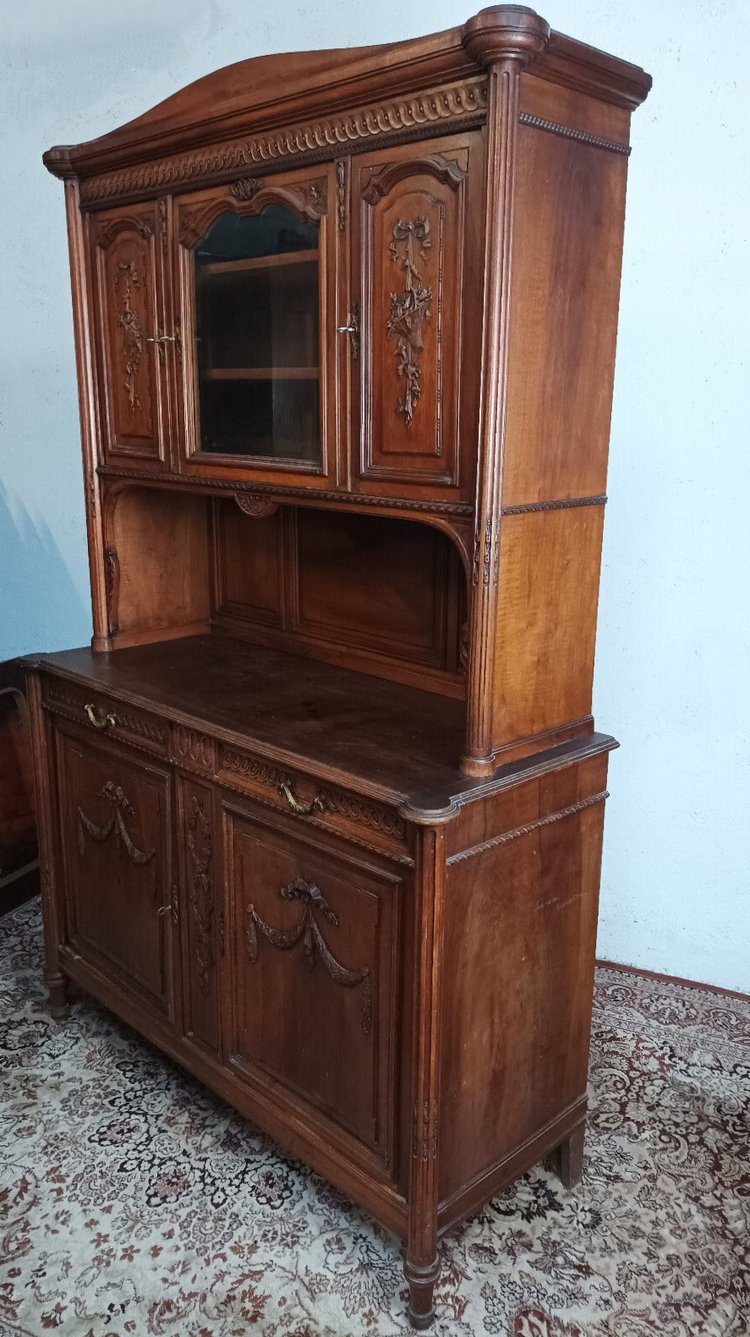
(321, 810)
(19, 862)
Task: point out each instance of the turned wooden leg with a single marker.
(57, 996)
(421, 1281)
(569, 1157)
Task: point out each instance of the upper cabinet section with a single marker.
(296, 274)
(254, 292)
(129, 327)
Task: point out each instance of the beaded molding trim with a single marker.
(567, 504)
(269, 490)
(531, 826)
(567, 132)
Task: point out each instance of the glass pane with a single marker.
(256, 294)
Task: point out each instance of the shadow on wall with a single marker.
(39, 603)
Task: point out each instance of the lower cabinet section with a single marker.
(403, 1001)
(274, 951)
(313, 973)
(115, 823)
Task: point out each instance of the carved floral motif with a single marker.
(341, 192)
(307, 931)
(127, 280)
(201, 892)
(247, 187)
(409, 309)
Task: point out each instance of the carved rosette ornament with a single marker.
(257, 507)
(307, 931)
(409, 309)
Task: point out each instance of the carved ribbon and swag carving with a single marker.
(120, 804)
(308, 932)
(409, 309)
(201, 893)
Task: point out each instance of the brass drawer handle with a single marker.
(109, 721)
(318, 804)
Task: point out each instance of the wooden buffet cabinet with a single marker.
(321, 809)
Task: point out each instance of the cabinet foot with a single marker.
(569, 1157)
(420, 1309)
(58, 1001)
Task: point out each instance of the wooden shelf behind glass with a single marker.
(260, 373)
(260, 262)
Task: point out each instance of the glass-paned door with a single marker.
(254, 295)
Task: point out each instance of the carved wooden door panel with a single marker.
(417, 270)
(133, 345)
(255, 297)
(115, 825)
(313, 951)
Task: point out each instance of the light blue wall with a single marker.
(673, 667)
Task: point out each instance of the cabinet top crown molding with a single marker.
(275, 90)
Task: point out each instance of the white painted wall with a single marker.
(673, 669)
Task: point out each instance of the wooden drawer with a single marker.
(364, 821)
(105, 715)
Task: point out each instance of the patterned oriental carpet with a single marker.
(134, 1202)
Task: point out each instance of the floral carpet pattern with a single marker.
(134, 1202)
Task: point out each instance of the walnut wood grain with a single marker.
(330, 766)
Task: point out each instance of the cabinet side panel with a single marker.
(546, 624)
(520, 932)
(568, 223)
(160, 542)
(572, 109)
